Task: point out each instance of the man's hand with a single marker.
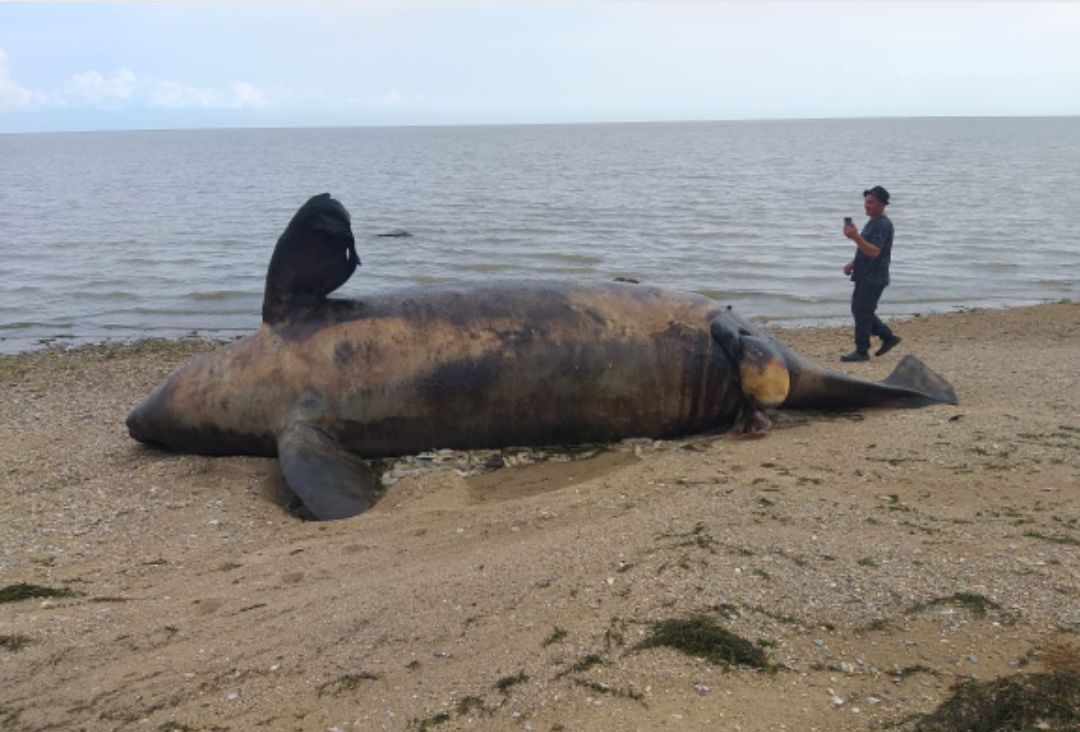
(870, 250)
(848, 267)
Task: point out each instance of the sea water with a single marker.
(118, 235)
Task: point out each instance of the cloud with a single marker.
(126, 90)
(392, 98)
(14, 98)
(91, 89)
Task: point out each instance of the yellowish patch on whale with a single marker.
(763, 374)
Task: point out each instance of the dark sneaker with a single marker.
(855, 356)
(888, 345)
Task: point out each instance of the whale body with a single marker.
(325, 384)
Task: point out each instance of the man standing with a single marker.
(870, 273)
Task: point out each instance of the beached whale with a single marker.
(325, 383)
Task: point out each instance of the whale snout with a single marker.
(150, 421)
(132, 423)
(138, 426)
(156, 421)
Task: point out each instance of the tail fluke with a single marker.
(911, 385)
(919, 380)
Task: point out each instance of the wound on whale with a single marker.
(325, 384)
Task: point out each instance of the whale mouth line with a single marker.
(133, 423)
(146, 440)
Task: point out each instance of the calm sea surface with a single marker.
(131, 234)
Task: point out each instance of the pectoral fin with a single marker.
(332, 482)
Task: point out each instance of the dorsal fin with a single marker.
(314, 256)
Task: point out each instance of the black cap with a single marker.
(880, 193)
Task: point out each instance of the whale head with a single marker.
(222, 403)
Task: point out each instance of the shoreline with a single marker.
(875, 557)
(21, 345)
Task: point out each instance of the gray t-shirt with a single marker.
(874, 270)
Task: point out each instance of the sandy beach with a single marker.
(874, 558)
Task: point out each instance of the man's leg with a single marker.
(878, 328)
(862, 326)
(863, 306)
(881, 330)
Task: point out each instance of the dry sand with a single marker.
(514, 600)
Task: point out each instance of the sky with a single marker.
(96, 66)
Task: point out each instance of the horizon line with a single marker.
(212, 128)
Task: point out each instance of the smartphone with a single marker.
(847, 221)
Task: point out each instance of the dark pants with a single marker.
(864, 306)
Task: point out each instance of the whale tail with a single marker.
(911, 385)
(772, 374)
(921, 385)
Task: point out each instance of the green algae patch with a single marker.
(14, 643)
(24, 591)
(702, 637)
(978, 605)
